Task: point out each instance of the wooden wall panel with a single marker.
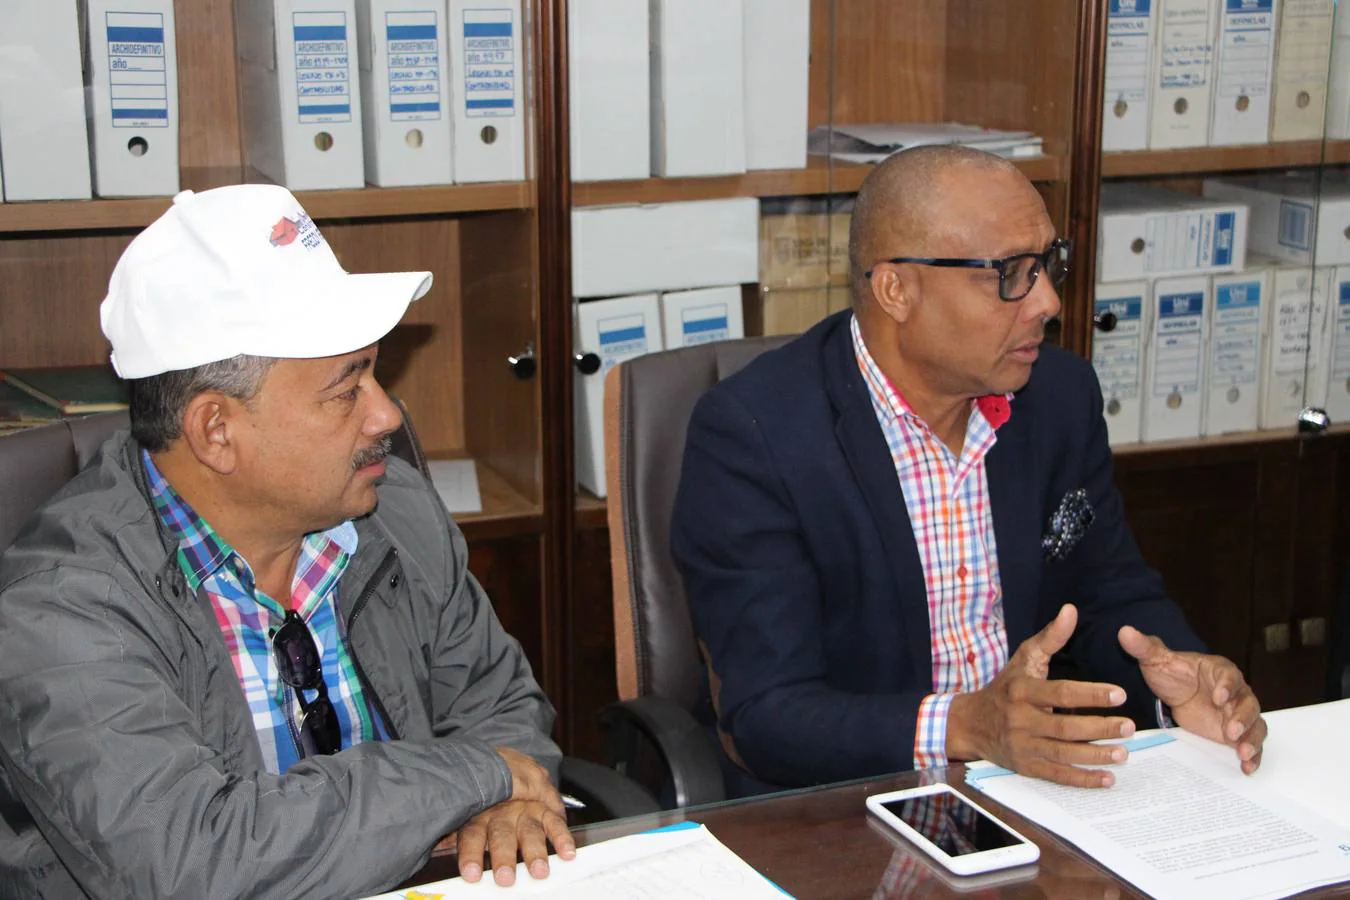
(207, 92)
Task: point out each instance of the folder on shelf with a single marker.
(797, 238)
(1150, 232)
(44, 136)
(1118, 357)
(791, 310)
(777, 51)
(1292, 359)
(132, 74)
(1130, 27)
(665, 246)
(1302, 53)
(301, 92)
(698, 87)
(609, 95)
(72, 390)
(702, 316)
(1338, 343)
(871, 143)
(1174, 362)
(487, 81)
(1298, 217)
(616, 329)
(1338, 89)
(405, 92)
(1244, 70)
(1183, 74)
(1233, 363)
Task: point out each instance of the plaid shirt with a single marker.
(947, 498)
(247, 618)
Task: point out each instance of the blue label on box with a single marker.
(489, 63)
(322, 67)
(414, 51)
(138, 77)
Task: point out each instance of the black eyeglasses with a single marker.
(1017, 274)
(299, 666)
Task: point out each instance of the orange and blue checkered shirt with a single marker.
(247, 617)
(947, 498)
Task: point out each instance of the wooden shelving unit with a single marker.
(1210, 160)
(591, 511)
(1239, 439)
(506, 512)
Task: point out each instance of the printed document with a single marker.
(1183, 821)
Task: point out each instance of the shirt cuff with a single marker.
(1164, 714)
(930, 732)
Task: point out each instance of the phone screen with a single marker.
(957, 827)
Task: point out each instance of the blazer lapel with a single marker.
(1010, 468)
(868, 456)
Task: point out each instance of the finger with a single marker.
(1250, 745)
(553, 800)
(533, 847)
(1251, 765)
(1144, 647)
(502, 847)
(1072, 776)
(447, 843)
(560, 837)
(1241, 715)
(1068, 753)
(1082, 728)
(1066, 694)
(1052, 638)
(471, 844)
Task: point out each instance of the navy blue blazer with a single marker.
(804, 579)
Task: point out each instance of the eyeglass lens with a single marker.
(1020, 273)
(299, 665)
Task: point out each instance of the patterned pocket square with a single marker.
(1068, 524)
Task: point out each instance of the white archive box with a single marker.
(301, 92)
(1302, 54)
(1244, 70)
(44, 134)
(777, 62)
(1183, 74)
(132, 74)
(698, 87)
(609, 94)
(1130, 26)
(1150, 232)
(1297, 217)
(1174, 362)
(488, 86)
(1118, 357)
(1338, 384)
(664, 246)
(1293, 357)
(405, 92)
(1338, 90)
(702, 316)
(616, 329)
(1233, 359)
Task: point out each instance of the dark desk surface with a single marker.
(823, 843)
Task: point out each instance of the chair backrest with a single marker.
(36, 463)
(648, 402)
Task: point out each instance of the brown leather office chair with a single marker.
(648, 402)
(36, 463)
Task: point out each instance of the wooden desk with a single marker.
(823, 843)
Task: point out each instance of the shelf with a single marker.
(1201, 160)
(355, 203)
(1241, 439)
(818, 178)
(591, 511)
(506, 512)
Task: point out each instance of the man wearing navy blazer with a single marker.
(887, 527)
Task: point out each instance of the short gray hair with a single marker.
(158, 402)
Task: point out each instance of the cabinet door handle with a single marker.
(587, 363)
(1105, 321)
(523, 364)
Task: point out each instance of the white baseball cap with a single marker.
(242, 270)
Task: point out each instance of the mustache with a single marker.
(377, 452)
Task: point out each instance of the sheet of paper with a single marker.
(685, 862)
(456, 480)
(1183, 821)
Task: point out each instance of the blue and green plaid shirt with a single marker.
(247, 617)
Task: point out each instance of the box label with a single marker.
(1178, 343)
(322, 67)
(489, 63)
(1235, 334)
(413, 45)
(138, 78)
(1116, 353)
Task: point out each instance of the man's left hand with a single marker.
(524, 826)
(1207, 694)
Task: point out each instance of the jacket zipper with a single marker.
(389, 559)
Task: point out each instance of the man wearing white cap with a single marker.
(241, 654)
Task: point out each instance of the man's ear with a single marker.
(212, 423)
(896, 289)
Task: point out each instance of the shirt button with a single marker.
(962, 572)
(970, 658)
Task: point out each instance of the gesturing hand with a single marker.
(533, 818)
(1012, 721)
(1207, 693)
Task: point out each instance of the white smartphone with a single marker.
(952, 830)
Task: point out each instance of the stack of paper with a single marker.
(456, 481)
(873, 143)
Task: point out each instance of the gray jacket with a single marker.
(129, 764)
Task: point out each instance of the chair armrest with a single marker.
(606, 793)
(689, 756)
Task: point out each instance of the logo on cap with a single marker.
(284, 233)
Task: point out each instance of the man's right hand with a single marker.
(1012, 722)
